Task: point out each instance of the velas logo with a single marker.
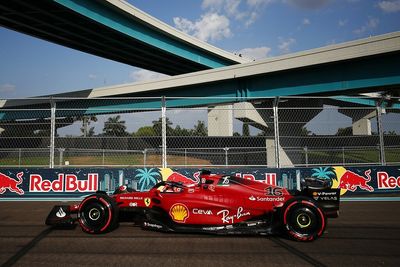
(179, 212)
(64, 183)
(6, 182)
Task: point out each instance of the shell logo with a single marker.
(179, 212)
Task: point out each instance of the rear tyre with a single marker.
(303, 219)
(98, 214)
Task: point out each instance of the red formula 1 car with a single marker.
(218, 204)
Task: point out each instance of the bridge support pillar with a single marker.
(220, 120)
(362, 127)
(284, 160)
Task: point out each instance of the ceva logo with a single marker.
(64, 183)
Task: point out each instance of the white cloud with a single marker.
(92, 76)
(210, 27)
(306, 21)
(308, 4)
(245, 11)
(390, 6)
(7, 88)
(255, 53)
(371, 24)
(285, 44)
(342, 22)
(142, 75)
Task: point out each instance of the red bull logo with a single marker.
(6, 182)
(351, 181)
(64, 183)
(387, 182)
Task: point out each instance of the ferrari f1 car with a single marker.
(217, 204)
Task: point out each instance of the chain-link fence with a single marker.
(199, 132)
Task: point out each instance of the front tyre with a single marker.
(303, 219)
(98, 214)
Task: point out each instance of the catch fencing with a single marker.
(199, 132)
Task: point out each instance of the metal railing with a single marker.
(195, 132)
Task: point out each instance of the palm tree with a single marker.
(148, 178)
(85, 124)
(157, 126)
(115, 127)
(200, 129)
(324, 173)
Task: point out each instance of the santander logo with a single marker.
(64, 183)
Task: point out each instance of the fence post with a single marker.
(306, 155)
(226, 155)
(19, 157)
(343, 157)
(164, 132)
(52, 132)
(276, 132)
(61, 151)
(185, 157)
(380, 131)
(144, 157)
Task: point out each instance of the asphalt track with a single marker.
(365, 234)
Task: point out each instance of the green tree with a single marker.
(145, 131)
(345, 131)
(304, 131)
(200, 129)
(245, 129)
(114, 126)
(178, 131)
(157, 126)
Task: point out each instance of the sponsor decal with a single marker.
(213, 228)
(152, 225)
(133, 204)
(266, 199)
(6, 182)
(225, 180)
(147, 201)
(202, 212)
(325, 196)
(226, 217)
(351, 181)
(179, 212)
(270, 199)
(64, 183)
(270, 178)
(387, 182)
(273, 191)
(61, 213)
(126, 198)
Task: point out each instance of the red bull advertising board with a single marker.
(74, 183)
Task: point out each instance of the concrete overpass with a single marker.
(115, 30)
(366, 65)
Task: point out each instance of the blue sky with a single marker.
(255, 28)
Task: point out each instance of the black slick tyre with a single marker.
(302, 219)
(98, 214)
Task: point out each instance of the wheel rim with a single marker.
(94, 215)
(303, 220)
